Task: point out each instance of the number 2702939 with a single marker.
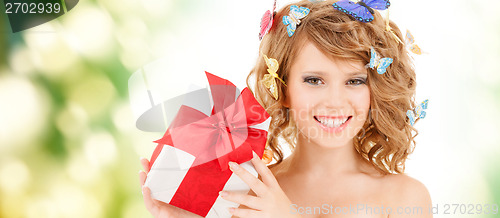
(32, 8)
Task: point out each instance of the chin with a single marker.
(330, 134)
(335, 143)
(325, 140)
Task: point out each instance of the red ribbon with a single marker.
(214, 141)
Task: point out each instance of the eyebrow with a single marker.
(353, 73)
(357, 73)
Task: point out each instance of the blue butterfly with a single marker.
(380, 63)
(418, 112)
(361, 10)
(293, 20)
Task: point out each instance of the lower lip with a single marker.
(335, 129)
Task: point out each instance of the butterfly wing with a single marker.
(409, 37)
(270, 83)
(299, 13)
(383, 64)
(421, 113)
(290, 29)
(415, 49)
(410, 43)
(425, 103)
(274, 89)
(272, 65)
(266, 81)
(373, 59)
(265, 24)
(287, 20)
(355, 10)
(378, 4)
(411, 116)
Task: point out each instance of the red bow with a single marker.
(226, 134)
(214, 140)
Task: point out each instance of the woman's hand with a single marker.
(155, 207)
(270, 201)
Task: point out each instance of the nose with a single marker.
(335, 96)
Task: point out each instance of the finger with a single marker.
(264, 172)
(244, 199)
(142, 177)
(148, 201)
(243, 212)
(255, 184)
(145, 164)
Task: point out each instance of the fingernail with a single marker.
(140, 171)
(231, 210)
(234, 166)
(223, 193)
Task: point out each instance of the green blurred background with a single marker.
(68, 142)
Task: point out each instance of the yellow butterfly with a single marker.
(269, 79)
(410, 43)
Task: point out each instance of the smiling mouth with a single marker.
(332, 122)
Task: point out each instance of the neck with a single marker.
(313, 159)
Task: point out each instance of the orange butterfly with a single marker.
(410, 43)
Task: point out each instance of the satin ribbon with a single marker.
(214, 140)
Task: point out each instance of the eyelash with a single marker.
(359, 81)
(309, 79)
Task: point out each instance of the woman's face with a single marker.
(328, 98)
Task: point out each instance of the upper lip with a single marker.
(320, 118)
(332, 117)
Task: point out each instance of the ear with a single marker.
(286, 104)
(286, 100)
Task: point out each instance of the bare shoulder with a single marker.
(407, 187)
(407, 192)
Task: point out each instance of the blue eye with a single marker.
(313, 80)
(356, 82)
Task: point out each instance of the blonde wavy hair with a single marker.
(387, 137)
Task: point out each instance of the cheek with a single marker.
(362, 105)
(297, 96)
(300, 103)
(298, 106)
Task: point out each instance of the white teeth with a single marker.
(332, 123)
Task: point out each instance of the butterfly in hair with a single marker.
(381, 64)
(361, 10)
(418, 112)
(267, 21)
(411, 45)
(293, 19)
(269, 80)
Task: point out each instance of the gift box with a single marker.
(212, 127)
